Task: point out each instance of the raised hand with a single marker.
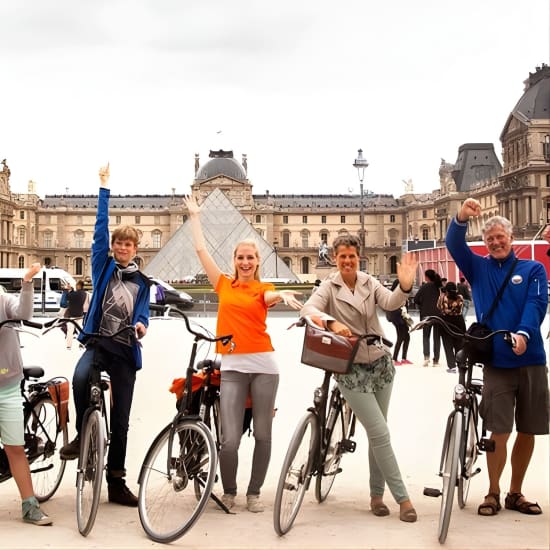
(192, 206)
(406, 270)
(470, 207)
(104, 174)
(32, 271)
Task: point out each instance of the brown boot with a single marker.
(120, 494)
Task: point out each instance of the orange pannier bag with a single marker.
(59, 391)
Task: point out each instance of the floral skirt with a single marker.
(368, 377)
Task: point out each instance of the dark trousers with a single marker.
(403, 338)
(426, 331)
(123, 378)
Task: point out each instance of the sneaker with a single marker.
(228, 500)
(406, 362)
(71, 450)
(397, 363)
(120, 494)
(426, 362)
(451, 370)
(34, 514)
(254, 504)
(435, 363)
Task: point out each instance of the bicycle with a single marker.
(45, 417)
(316, 448)
(465, 439)
(95, 434)
(179, 468)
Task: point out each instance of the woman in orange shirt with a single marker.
(250, 367)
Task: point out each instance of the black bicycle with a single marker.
(179, 469)
(45, 417)
(321, 438)
(465, 436)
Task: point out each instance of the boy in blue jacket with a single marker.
(120, 298)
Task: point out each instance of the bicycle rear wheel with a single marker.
(90, 472)
(47, 467)
(468, 456)
(330, 461)
(178, 458)
(449, 474)
(295, 473)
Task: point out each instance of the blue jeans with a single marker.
(123, 378)
(371, 410)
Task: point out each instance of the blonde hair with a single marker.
(125, 233)
(254, 245)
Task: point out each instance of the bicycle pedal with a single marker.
(429, 492)
(487, 445)
(348, 445)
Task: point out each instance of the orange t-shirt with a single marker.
(242, 312)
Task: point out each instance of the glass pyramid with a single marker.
(223, 227)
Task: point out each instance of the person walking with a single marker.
(395, 317)
(120, 298)
(346, 304)
(426, 300)
(11, 403)
(464, 291)
(76, 301)
(247, 368)
(450, 306)
(515, 381)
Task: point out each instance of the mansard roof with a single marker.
(115, 201)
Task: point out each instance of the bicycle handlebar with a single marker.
(451, 330)
(24, 322)
(58, 321)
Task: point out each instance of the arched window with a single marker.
(305, 264)
(288, 262)
(79, 267)
(324, 236)
(286, 239)
(21, 262)
(22, 235)
(156, 238)
(393, 265)
(304, 234)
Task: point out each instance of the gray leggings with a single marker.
(234, 389)
(371, 410)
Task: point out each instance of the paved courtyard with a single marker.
(420, 404)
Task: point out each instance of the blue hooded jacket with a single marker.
(103, 266)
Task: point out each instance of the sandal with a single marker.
(380, 509)
(408, 515)
(490, 505)
(525, 507)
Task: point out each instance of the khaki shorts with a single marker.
(519, 394)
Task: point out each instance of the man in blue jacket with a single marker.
(120, 298)
(516, 381)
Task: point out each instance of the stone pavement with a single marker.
(420, 404)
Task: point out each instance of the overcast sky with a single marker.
(297, 85)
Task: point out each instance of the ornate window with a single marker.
(21, 262)
(305, 265)
(79, 267)
(156, 236)
(22, 235)
(48, 239)
(304, 234)
(286, 239)
(79, 238)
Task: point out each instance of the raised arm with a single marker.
(211, 269)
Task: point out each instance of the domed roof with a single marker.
(222, 163)
(535, 102)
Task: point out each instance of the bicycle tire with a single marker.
(295, 473)
(468, 457)
(332, 454)
(90, 471)
(449, 474)
(46, 466)
(168, 505)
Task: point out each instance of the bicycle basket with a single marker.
(328, 351)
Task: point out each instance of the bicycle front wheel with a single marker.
(47, 437)
(179, 458)
(295, 473)
(468, 456)
(449, 474)
(330, 462)
(90, 471)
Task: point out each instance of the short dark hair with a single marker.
(347, 240)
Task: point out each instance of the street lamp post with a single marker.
(275, 245)
(361, 163)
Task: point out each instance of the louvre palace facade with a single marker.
(57, 230)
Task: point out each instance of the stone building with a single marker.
(57, 230)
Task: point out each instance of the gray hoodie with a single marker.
(11, 362)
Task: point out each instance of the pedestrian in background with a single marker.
(450, 306)
(426, 299)
(464, 291)
(395, 317)
(76, 301)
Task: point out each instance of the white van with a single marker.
(48, 285)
